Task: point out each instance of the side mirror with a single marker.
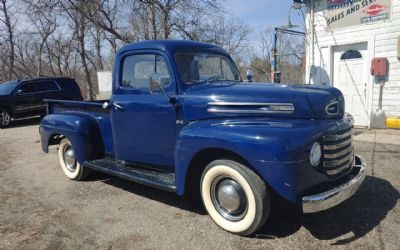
(18, 92)
(249, 75)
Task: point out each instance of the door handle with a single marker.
(118, 106)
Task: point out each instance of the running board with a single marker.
(149, 177)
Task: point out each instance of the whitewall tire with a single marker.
(71, 167)
(235, 197)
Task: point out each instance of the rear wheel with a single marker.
(235, 197)
(71, 167)
(5, 118)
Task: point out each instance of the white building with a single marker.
(346, 36)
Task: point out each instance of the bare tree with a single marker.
(103, 14)
(97, 36)
(44, 18)
(260, 61)
(6, 20)
(231, 34)
(75, 12)
(76, 38)
(291, 56)
(165, 9)
(60, 51)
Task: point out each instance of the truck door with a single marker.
(143, 122)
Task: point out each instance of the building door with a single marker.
(350, 76)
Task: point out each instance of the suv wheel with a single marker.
(5, 118)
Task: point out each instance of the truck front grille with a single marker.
(338, 152)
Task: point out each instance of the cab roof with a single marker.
(170, 46)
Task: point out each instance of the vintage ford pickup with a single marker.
(180, 117)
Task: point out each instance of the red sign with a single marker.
(374, 9)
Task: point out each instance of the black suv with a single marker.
(24, 98)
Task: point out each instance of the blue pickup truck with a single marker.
(181, 119)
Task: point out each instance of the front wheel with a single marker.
(235, 197)
(71, 167)
(5, 118)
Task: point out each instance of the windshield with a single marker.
(8, 87)
(200, 66)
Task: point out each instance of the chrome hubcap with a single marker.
(229, 198)
(69, 159)
(5, 118)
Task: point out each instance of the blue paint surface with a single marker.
(168, 130)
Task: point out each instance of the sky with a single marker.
(260, 14)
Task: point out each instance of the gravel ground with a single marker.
(41, 209)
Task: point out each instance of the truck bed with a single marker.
(93, 109)
(57, 106)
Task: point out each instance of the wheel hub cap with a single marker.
(5, 118)
(70, 162)
(229, 198)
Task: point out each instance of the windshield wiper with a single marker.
(218, 79)
(214, 79)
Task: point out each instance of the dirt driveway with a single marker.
(41, 209)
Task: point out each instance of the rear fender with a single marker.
(81, 129)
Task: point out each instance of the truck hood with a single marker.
(227, 99)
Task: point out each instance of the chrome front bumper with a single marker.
(330, 198)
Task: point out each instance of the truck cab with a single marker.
(180, 118)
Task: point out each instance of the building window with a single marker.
(351, 54)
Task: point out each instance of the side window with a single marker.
(45, 86)
(139, 71)
(27, 88)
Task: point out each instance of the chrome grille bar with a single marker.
(329, 164)
(338, 145)
(339, 154)
(338, 170)
(337, 137)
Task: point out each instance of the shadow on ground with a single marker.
(24, 122)
(192, 203)
(348, 221)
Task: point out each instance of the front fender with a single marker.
(82, 130)
(276, 149)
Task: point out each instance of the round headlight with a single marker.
(315, 154)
